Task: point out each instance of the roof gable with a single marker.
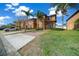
(73, 15)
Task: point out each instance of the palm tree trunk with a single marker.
(25, 24)
(20, 25)
(43, 24)
(37, 24)
(55, 18)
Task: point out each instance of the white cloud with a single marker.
(1, 22)
(30, 17)
(59, 14)
(31, 11)
(20, 14)
(34, 17)
(53, 8)
(2, 18)
(22, 8)
(14, 4)
(58, 23)
(52, 11)
(18, 11)
(9, 7)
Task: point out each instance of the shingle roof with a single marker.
(52, 15)
(73, 15)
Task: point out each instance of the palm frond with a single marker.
(40, 14)
(27, 12)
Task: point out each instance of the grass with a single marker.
(60, 43)
(1, 30)
(54, 42)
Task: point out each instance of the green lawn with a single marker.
(58, 43)
(1, 30)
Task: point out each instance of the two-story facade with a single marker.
(49, 22)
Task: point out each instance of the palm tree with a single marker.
(63, 7)
(40, 16)
(27, 14)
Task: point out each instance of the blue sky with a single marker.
(10, 11)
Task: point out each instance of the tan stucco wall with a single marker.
(40, 24)
(52, 18)
(71, 21)
(30, 24)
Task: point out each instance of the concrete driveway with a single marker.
(19, 40)
(14, 41)
(2, 49)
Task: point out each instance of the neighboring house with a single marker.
(50, 22)
(71, 21)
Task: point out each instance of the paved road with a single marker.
(2, 49)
